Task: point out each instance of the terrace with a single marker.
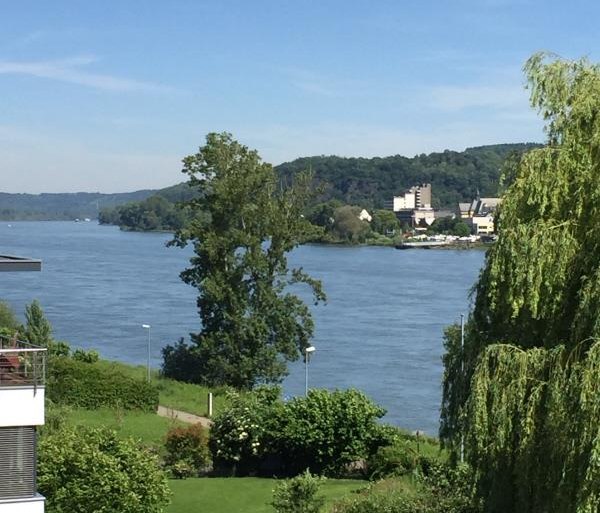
(21, 364)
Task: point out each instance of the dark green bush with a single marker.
(327, 431)
(187, 450)
(90, 356)
(90, 386)
(324, 432)
(181, 362)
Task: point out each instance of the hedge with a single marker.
(87, 385)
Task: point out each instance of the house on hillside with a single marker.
(22, 381)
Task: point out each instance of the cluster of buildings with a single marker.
(479, 214)
(414, 208)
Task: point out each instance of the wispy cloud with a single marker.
(70, 70)
(315, 83)
(457, 98)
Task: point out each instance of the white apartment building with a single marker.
(22, 379)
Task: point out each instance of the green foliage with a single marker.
(454, 176)
(435, 488)
(385, 222)
(324, 432)
(450, 226)
(89, 356)
(8, 320)
(182, 361)
(298, 494)
(93, 470)
(243, 434)
(347, 226)
(37, 328)
(243, 225)
(523, 392)
(152, 214)
(187, 450)
(91, 386)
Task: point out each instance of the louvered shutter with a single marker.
(17, 462)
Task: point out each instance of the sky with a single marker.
(109, 96)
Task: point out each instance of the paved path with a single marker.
(183, 416)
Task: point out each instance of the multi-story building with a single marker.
(414, 206)
(22, 379)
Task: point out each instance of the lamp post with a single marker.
(307, 352)
(147, 327)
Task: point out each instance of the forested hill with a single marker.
(62, 206)
(369, 182)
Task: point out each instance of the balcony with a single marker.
(22, 380)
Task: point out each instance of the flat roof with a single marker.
(14, 263)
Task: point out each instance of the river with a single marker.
(380, 331)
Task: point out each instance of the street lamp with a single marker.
(307, 351)
(147, 327)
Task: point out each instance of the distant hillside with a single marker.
(62, 206)
(369, 182)
(454, 176)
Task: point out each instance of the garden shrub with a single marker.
(91, 386)
(87, 470)
(326, 431)
(403, 454)
(242, 435)
(187, 451)
(298, 495)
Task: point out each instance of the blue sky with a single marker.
(109, 96)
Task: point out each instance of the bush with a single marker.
(242, 435)
(91, 386)
(93, 470)
(403, 454)
(326, 431)
(90, 356)
(187, 450)
(298, 495)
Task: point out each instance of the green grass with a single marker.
(147, 427)
(174, 394)
(241, 494)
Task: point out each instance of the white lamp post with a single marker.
(147, 327)
(307, 352)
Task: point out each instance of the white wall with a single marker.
(21, 406)
(33, 505)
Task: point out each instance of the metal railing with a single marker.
(21, 363)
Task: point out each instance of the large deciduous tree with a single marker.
(245, 222)
(523, 395)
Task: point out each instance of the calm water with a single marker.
(380, 331)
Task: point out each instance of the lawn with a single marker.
(148, 427)
(173, 394)
(241, 494)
